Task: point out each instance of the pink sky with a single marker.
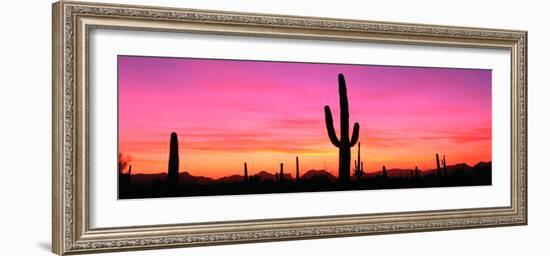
(226, 112)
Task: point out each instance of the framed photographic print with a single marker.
(179, 127)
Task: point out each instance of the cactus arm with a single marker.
(330, 128)
(355, 135)
(344, 108)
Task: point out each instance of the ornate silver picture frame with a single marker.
(73, 23)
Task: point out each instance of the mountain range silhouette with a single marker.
(188, 178)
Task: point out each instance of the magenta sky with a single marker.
(228, 112)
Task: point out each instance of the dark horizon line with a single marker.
(290, 172)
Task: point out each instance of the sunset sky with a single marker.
(228, 112)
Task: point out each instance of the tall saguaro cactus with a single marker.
(344, 144)
(173, 162)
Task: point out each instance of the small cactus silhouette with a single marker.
(173, 162)
(444, 163)
(438, 165)
(344, 144)
(124, 178)
(416, 173)
(384, 172)
(358, 161)
(281, 177)
(245, 173)
(129, 174)
(297, 170)
(358, 170)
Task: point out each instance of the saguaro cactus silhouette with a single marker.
(384, 172)
(358, 162)
(245, 173)
(129, 174)
(444, 163)
(416, 173)
(281, 173)
(173, 162)
(438, 165)
(297, 169)
(358, 170)
(344, 144)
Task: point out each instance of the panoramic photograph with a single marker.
(210, 127)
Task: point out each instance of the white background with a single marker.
(107, 211)
(25, 100)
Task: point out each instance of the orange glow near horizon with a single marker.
(266, 113)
